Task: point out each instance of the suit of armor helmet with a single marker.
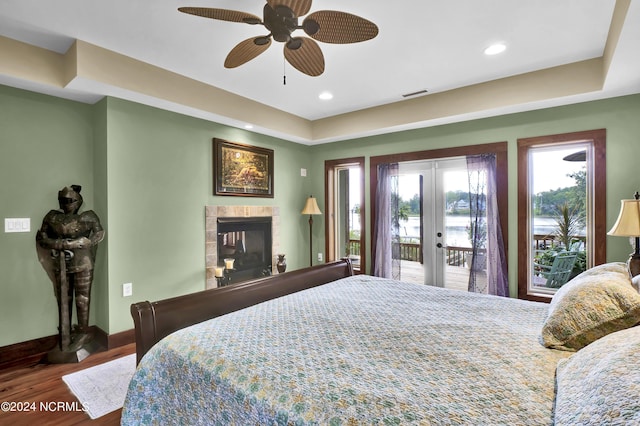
(67, 242)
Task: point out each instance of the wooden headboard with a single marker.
(155, 320)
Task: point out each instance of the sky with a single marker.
(410, 185)
(549, 170)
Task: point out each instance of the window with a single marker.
(561, 210)
(345, 231)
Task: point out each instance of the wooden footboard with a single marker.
(155, 320)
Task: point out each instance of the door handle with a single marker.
(439, 245)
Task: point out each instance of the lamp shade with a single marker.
(628, 223)
(311, 206)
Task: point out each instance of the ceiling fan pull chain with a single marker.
(284, 72)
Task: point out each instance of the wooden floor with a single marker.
(41, 386)
(457, 276)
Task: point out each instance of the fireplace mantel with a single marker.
(212, 213)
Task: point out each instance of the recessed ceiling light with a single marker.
(494, 49)
(326, 96)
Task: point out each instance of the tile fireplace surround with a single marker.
(212, 213)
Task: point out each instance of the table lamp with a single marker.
(628, 225)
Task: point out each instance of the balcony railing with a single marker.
(413, 252)
(543, 242)
(455, 255)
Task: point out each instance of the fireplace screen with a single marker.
(247, 240)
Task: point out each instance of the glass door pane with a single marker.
(411, 224)
(346, 214)
(453, 213)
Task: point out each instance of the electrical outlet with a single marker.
(127, 289)
(319, 257)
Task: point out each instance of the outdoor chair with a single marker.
(576, 246)
(559, 272)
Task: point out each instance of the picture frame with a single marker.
(242, 170)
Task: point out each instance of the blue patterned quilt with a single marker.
(361, 350)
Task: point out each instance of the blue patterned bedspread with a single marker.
(361, 350)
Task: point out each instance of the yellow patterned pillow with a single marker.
(597, 302)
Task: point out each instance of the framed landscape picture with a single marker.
(242, 170)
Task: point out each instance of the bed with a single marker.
(322, 346)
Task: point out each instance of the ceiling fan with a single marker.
(280, 17)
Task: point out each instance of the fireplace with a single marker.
(254, 217)
(247, 240)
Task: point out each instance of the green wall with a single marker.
(620, 116)
(45, 144)
(148, 174)
(159, 168)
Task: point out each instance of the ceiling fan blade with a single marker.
(246, 50)
(305, 56)
(299, 7)
(222, 14)
(330, 26)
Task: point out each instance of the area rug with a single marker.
(101, 389)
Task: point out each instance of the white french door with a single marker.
(445, 218)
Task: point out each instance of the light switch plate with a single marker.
(17, 225)
(127, 289)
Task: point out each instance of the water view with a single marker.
(456, 229)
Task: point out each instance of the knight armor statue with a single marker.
(67, 242)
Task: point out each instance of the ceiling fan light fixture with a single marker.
(252, 21)
(294, 43)
(281, 21)
(310, 26)
(495, 49)
(261, 41)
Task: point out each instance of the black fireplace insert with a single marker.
(246, 240)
